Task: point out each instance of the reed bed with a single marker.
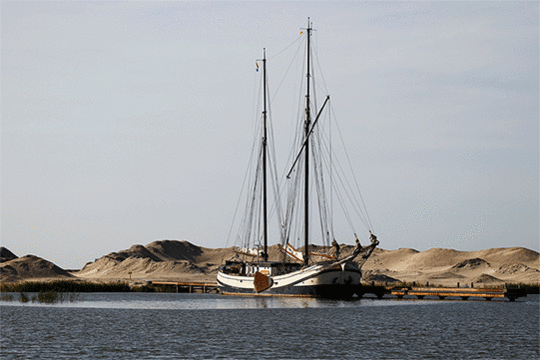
(49, 297)
(64, 286)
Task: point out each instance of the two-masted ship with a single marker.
(297, 272)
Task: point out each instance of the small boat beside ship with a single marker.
(295, 272)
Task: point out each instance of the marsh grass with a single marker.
(528, 288)
(48, 297)
(64, 286)
(70, 287)
(50, 292)
(6, 297)
(154, 288)
(23, 297)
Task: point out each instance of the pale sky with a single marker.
(128, 122)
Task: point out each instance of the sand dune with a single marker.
(31, 267)
(447, 266)
(6, 255)
(183, 261)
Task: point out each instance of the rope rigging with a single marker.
(329, 177)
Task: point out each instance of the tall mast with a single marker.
(264, 144)
(306, 169)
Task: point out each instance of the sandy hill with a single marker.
(159, 260)
(30, 267)
(6, 255)
(447, 266)
(183, 261)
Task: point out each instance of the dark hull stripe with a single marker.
(320, 291)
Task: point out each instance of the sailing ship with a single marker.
(299, 272)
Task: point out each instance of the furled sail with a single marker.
(248, 251)
(298, 255)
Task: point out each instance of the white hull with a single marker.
(319, 280)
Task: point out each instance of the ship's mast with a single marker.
(264, 145)
(306, 169)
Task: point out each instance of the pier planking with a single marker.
(435, 293)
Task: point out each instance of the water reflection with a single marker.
(164, 326)
(214, 301)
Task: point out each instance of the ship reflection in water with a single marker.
(134, 325)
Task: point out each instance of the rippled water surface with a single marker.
(135, 326)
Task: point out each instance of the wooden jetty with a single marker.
(432, 293)
(458, 293)
(461, 293)
(190, 287)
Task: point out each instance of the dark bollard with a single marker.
(472, 285)
(427, 284)
(457, 284)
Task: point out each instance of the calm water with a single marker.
(140, 326)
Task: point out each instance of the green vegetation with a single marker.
(528, 288)
(23, 297)
(49, 297)
(64, 286)
(154, 288)
(68, 286)
(6, 297)
(56, 291)
(144, 288)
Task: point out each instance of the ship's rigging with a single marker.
(314, 158)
